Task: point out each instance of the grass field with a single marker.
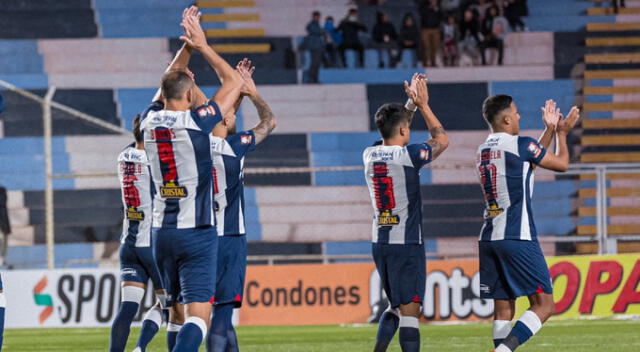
(600, 335)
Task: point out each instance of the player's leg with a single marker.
(410, 327)
(503, 313)
(3, 304)
(133, 287)
(154, 317)
(390, 319)
(528, 275)
(197, 267)
(176, 320)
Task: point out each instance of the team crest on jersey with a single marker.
(173, 191)
(246, 139)
(493, 210)
(387, 219)
(534, 149)
(206, 110)
(134, 214)
(424, 154)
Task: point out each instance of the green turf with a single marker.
(602, 335)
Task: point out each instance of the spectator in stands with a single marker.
(385, 38)
(616, 4)
(451, 7)
(494, 29)
(314, 42)
(450, 36)
(513, 10)
(469, 36)
(332, 39)
(430, 18)
(350, 27)
(409, 36)
(481, 8)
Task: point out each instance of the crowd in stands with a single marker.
(459, 32)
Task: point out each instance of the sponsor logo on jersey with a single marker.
(534, 149)
(246, 139)
(205, 111)
(424, 154)
(128, 271)
(493, 210)
(134, 214)
(387, 219)
(173, 191)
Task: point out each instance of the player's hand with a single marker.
(550, 114)
(193, 33)
(565, 126)
(245, 70)
(410, 88)
(422, 92)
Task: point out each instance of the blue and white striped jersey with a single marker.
(505, 171)
(178, 148)
(228, 181)
(393, 178)
(137, 196)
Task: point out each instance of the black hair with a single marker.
(353, 10)
(388, 117)
(380, 16)
(494, 105)
(407, 16)
(174, 84)
(315, 13)
(137, 133)
(329, 18)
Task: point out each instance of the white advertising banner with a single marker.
(64, 298)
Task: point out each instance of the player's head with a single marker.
(501, 113)
(393, 122)
(137, 133)
(178, 86)
(226, 127)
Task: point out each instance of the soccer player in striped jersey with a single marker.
(137, 264)
(511, 261)
(228, 150)
(176, 138)
(392, 171)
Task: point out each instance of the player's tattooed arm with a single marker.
(267, 119)
(419, 93)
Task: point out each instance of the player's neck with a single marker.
(177, 105)
(139, 145)
(503, 129)
(393, 142)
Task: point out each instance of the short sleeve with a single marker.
(242, 143)
(420, 154)
(530, 150)
(155, 106)
(207, 116)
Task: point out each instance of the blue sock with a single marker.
(191, 335)
(232, 340)
(387, 327)
(501, 329)
(121, 326)
(409, 334)
(528, 325)
(1, 325)
(218, 338)
(150, 327)
(172, 335)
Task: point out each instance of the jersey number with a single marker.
(131, 194)
(165, 153)
(383, 187)
(488, 177)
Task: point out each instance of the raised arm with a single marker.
(267, 119)
(439, 140)
(560, 160)
(227, 95)
(550, 117)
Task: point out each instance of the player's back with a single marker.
(228, 180)
(177, 145)
(393, 178)
(136, 188)
(505, 171)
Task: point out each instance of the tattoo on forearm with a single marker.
(436, 147)
(436, 131)
(265, 126)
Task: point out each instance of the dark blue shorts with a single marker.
(186, 260)
(232, 268)
(138, 265)
(403, 271)
(511, 268)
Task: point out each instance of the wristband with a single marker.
(409, 105)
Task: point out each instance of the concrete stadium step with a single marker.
(631, 157)
(231, 17)
(592, 248)
(258, 48)
(591, 90)
(613, 27)
(615, 139)
(590, 230)
(623, 176)
(235, 33)
(605, 11)
(611, 192)
(613, 41)
(608, 58)
(225, 3)
(611, 74)
(611, 211)
(611, 106)
(598, 124)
